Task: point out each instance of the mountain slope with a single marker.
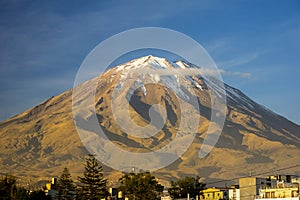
(42, 140)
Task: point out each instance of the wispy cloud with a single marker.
(239, 74)
(240, 60)
(219, 45)
(226, 53)
(189, 72)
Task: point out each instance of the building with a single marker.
(51, 188)
(166, 198)
(287, 187)
(234, 192)
(249, 186)
(215, 194)
(166, 195)
(271, 193)
(277, 187)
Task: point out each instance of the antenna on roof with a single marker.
(250, 173)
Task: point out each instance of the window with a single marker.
(272, 194)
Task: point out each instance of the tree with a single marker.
(141, 186)
(65, 186)
(38, 194)
(22, 194)
(9, 190)
(93, 184)
(8, 187)
(185, 186)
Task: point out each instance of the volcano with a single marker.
(160, 95)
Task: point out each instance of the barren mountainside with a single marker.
(39, 142)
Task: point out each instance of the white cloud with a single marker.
(190, 72)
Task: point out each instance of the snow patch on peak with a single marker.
(234, 95)
(184, 64)
(181, 64)
(157, 63)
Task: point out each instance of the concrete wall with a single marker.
(249, 187)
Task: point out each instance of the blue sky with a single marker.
(42, 44)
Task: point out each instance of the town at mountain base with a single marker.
(144, 186)
(38, 143)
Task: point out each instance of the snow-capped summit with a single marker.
(158, 66)
(149, 61)
(152, 69)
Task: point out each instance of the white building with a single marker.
(286, 188)
(234, 193)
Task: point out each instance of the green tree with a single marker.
(22, 194)
(8, 187)
(10, 191)
(188, 185)
(93, 184)
(140, 186)
(65, 186)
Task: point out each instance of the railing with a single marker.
(276, 187)
(275, 198)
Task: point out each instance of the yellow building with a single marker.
(214, 194)
(279, 192)
(51, 188)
